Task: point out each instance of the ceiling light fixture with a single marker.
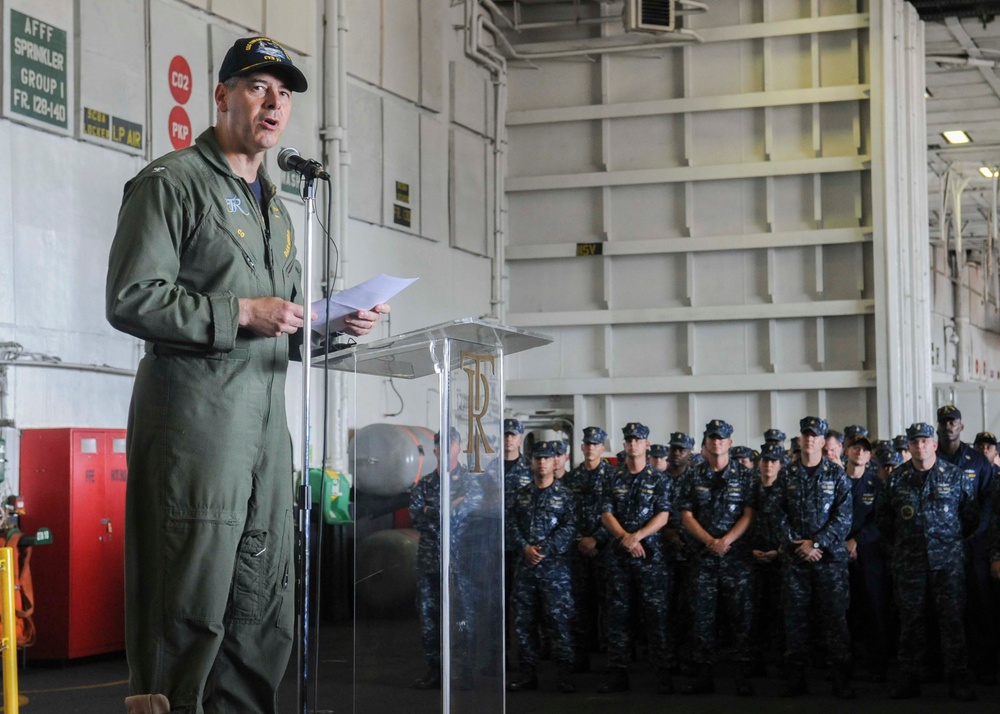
(987, 172)
(956, 136)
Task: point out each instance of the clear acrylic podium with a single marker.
(392, 647)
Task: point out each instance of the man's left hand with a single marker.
(362, 322)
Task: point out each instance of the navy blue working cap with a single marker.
(594, 435)
(986, 437)
(657, 451)
(900, 442)
(920, 429)
(774, 452)
(681, 440)
(775, 435)
(813, 425)
(634, 428)
(948, 411)
(741, 452)
(719, 428)
(888, 457)
(452, 434)
(854, 431)
(253, 54)
(560, 447)
(512, 426)
(862, 441)
(543, 450)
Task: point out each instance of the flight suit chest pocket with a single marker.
(248, 580)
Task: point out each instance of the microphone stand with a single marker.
(304, 505)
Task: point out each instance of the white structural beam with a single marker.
(746, 100)
(701, 244)
(762, 382)
(713, 313)
(717, 172)
(958, 32)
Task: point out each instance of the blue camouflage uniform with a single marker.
(717, 501)
(867, 615)
(425, 514)
(814, 505)
(980, 618)
(767, 625)
(922, 517)
(585, 485)
(634, 499)
(675, 549)
(543, 594)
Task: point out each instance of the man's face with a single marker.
(923, 448)
(812, 444)
(561, 460)
(832, 448)
(659, 463)
(255, 111)
(988, 450)
(950, 430)
(634, 446)
(717, 445)
(769, 468)
(544, 466)
(512, 443)
(592, 452)
(678, 457)
(858, 455)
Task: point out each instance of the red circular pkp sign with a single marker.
(179, 126)
(179, 76)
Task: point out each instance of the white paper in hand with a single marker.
(363, 296)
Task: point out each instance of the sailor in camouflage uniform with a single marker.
(675, 556)
(425, 513)
(541, 528)
(868, 613)
(584, 482)
(923, 513)
(715, 502)
(636, 507)
(767, 625)
(980, 618)
(814, 511)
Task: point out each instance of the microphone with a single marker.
(290, 160)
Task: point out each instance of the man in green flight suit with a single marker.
(203, 268)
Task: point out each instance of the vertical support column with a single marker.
(444, 448)
(9, 642)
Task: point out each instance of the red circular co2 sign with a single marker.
(179, 126)
(180, 79)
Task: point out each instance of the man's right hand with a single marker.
(270, 316)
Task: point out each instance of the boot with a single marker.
(564, 680)
(743, 686)
(703, 682)
(617, 681)
(664, 681)
(526, 681)
(795, 683)
(907, 686)
(431, 680)
(960, 688)
(842, 688)
(146, 704)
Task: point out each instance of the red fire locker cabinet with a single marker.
(73, 482)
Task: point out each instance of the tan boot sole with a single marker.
(146, 704)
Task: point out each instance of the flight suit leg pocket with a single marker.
(251, 565)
